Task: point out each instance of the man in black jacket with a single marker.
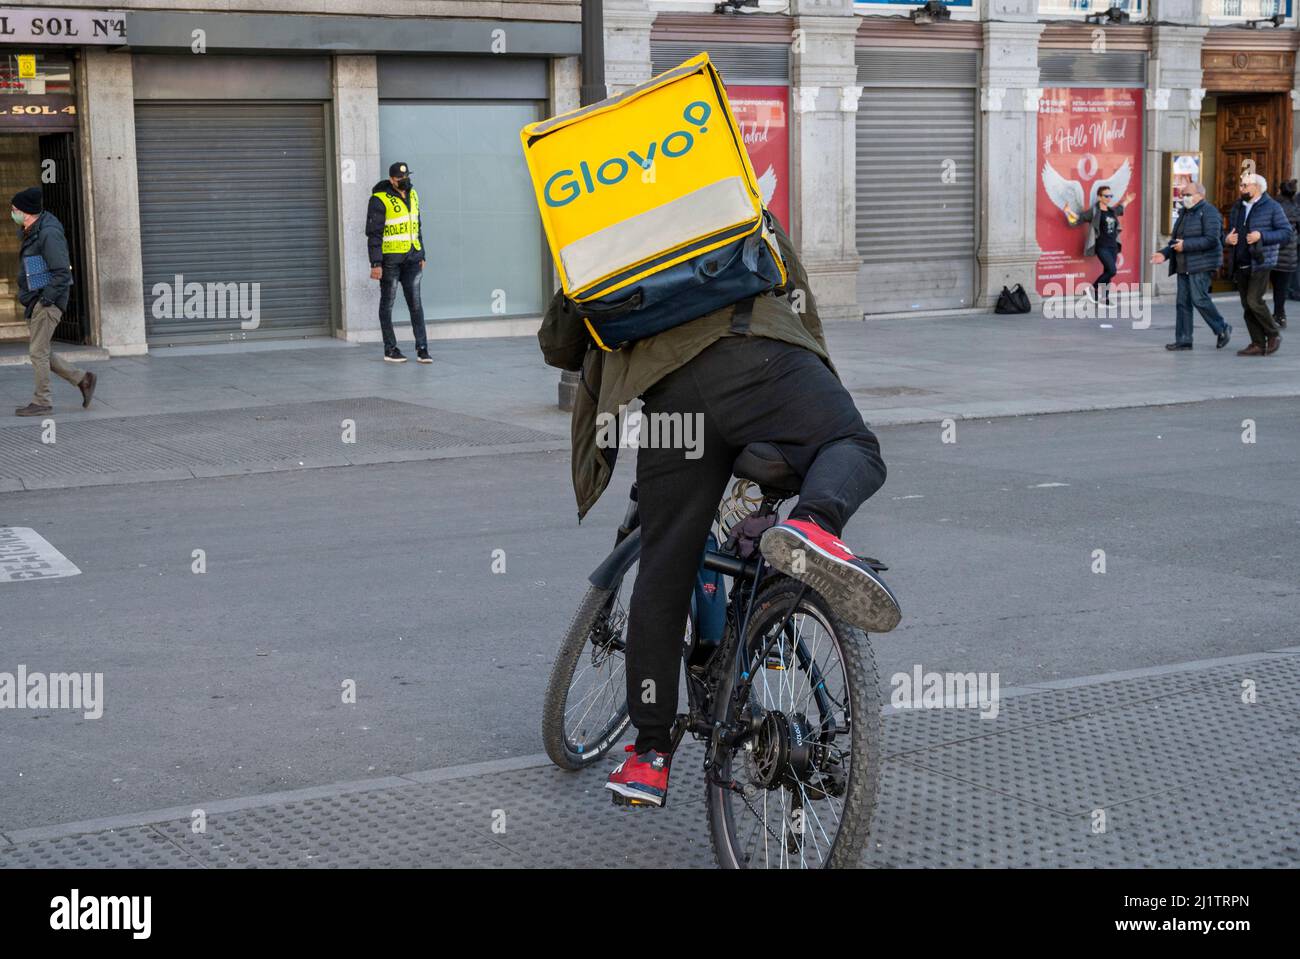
(1194, 252)
(44, 282)
(1258, 230)
(396, 242)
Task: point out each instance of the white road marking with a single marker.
(25, 554)
(1047, 485)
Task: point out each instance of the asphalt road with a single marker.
(229, 683)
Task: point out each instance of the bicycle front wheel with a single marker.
(799, 790)
(585, 710)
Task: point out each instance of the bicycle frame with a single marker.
(711, 606)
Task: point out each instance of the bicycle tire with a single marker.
(862, 684)
(575, 643)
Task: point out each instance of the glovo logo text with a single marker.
(564, 186)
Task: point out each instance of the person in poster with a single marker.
(1103, 238)
(1089, 143)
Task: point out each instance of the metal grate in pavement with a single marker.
(246, 438)
(140, 847)
(1187, 773)
(918, 729)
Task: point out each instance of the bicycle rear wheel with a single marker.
(803, 781)
(585, 713)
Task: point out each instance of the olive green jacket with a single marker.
(609, 381)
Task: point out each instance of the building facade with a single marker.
(929, 158)
(213, 166)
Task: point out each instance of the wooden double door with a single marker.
(1251, 127)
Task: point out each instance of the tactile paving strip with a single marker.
(918, 729)
(247, 437)
(1090, 762)
(1187, 774)
(140, 847)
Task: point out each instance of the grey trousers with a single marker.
(42, 323)
(1251, 286)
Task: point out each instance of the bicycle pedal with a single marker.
(620, 800)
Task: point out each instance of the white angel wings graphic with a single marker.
(767, 184)
(1063, 191)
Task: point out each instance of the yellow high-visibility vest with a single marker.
(401, 223)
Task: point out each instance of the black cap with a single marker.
(399, 170)
(29, 200)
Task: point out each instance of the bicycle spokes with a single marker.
(791, 771)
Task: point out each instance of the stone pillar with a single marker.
(566, 84)
(627, 43)
(1008, 175)
(1295, 121)
(112, 203)
(1173, 101)
(823, 200)
(358, 166)
(1190, 13)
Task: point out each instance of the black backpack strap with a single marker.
(741, 316)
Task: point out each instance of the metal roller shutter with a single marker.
(765, 63)
(236, 193)
(915, 231)
(1126, 68)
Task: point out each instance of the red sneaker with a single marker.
(804, 551)
(640, 779)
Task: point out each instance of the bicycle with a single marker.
(792, 742)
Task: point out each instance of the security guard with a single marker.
(397, 255)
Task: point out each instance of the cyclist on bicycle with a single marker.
(758, 371)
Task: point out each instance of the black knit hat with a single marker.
(30, 200)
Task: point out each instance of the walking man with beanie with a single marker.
(1258, 228)
(396, 243)
(1194, 252)
(44, 282)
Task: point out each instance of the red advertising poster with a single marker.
(1087, 139)
(762, 113)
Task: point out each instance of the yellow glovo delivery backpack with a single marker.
(650, 206)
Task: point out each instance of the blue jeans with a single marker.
(1107, 254)
(408, 274)
(1194, 291)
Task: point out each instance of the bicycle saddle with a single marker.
(763, 464)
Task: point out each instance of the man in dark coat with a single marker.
(1257, 230)
(1194, 252)
(1284, 273)
(755, 375)
(44, 283)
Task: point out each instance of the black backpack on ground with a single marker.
(1014, 300)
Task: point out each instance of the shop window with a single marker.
(35, 73)
(482, 232)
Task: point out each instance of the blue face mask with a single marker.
(18, 216)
